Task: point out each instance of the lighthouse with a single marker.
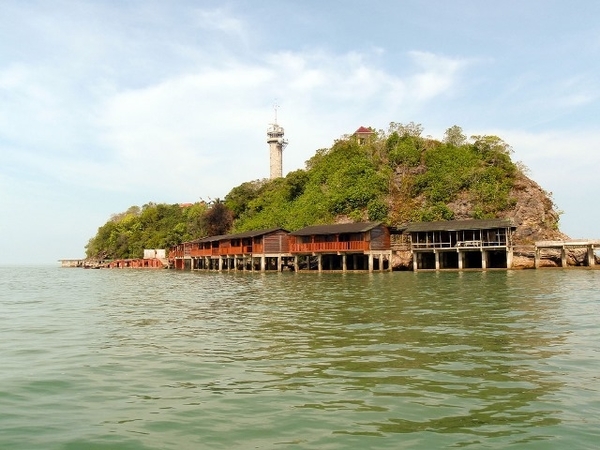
(276, 145)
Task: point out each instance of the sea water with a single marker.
(158, 359)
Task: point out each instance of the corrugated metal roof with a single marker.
(358, 227)
(458, 225)
(245, 234)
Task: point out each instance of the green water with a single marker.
(133, 359)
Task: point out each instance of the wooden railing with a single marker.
(458, 245)
(329, 246)
(220, 251)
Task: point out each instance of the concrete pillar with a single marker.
(461, 260)
(320, 262)
(591, 259)
(415, 262)
(279, 265)
(390, 268)
(220, 263)
(483, 259)
(509, 258)
(537, 258)
(263, 263)
(437, 260)
(296, 265)
(563, 257)
(344, 265)
(370, 262)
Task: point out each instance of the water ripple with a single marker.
(178, 360)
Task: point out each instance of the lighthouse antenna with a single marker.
(275, 108)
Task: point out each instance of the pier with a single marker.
(366, 246)
(587, 248)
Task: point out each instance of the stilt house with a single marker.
(348, 246)
(461, 244)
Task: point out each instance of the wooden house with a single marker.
(347, 246)
(252, 250)
(461, 244)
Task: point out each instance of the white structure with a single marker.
(276, 145)
(155, 253)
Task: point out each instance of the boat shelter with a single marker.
(461, 244)
(343, 247)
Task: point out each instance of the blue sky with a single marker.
(109, 104)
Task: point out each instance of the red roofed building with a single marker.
(363, 134)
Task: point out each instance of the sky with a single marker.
(109, 104)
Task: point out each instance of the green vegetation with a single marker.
(127, 234)
(396, 176)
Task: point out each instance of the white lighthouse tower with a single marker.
(276, 145)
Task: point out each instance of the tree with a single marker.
(218, 219)
(454, 136)
(410, 129)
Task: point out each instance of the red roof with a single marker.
(363, 130)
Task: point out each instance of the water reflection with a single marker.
(448, 352)
(132, 359)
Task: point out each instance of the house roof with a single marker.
(246, 234)
(459, 225)
(363, 130)
(340, 228)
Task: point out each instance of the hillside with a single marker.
(395, 176)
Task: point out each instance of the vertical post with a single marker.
(415, 262)
(344, 265)
(591, 259)
(537, 258)
(296, 265)
(483, 259)
(279, 265)
(563, 257)
(509, 258)
(381, 262)
(220, 263)
(461, 260)
(437, 260)
(370, 262)
(320, 262)
(263, 263)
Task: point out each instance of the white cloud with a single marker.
(437, 75)
(214, 120)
